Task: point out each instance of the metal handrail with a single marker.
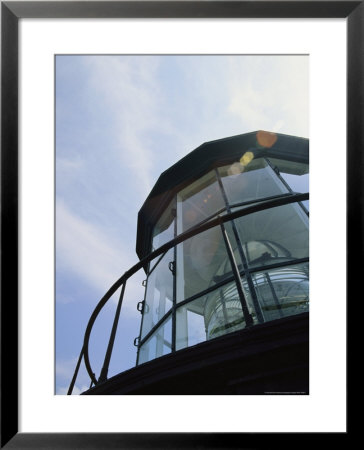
(281, 201)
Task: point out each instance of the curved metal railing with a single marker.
(121, 282)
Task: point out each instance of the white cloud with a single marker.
(65, 368)
(277, 126)
(87, 251)
(91, 254)
(66, 165)
(130, 93)
(270, 92)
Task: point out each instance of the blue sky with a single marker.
(120, 122)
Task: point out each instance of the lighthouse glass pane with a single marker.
(209, 316)
(274, 235)
(198, 201)
(295, 175)
(163, 231)
(298, 183)
(159, 344)
(252, 181)
(201, 262)
(159, 293)
(282, 292)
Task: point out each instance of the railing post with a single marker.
(105, 367)
(73, 381)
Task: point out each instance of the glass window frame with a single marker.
(246, 272)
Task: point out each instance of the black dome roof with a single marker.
(203, 159)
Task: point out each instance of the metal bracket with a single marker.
(172, 267)
(137, 341)
(140, 306)
(144, 283)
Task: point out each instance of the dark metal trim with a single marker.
(251, 202)
(11, 12)
(292, 262)
(206, 291)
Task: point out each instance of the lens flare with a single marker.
(266, 139)
(246, 158)
(235, 169)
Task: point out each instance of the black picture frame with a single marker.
(11, 12)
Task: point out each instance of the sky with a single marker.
(121, 120)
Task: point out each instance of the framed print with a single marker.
(48, 51)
